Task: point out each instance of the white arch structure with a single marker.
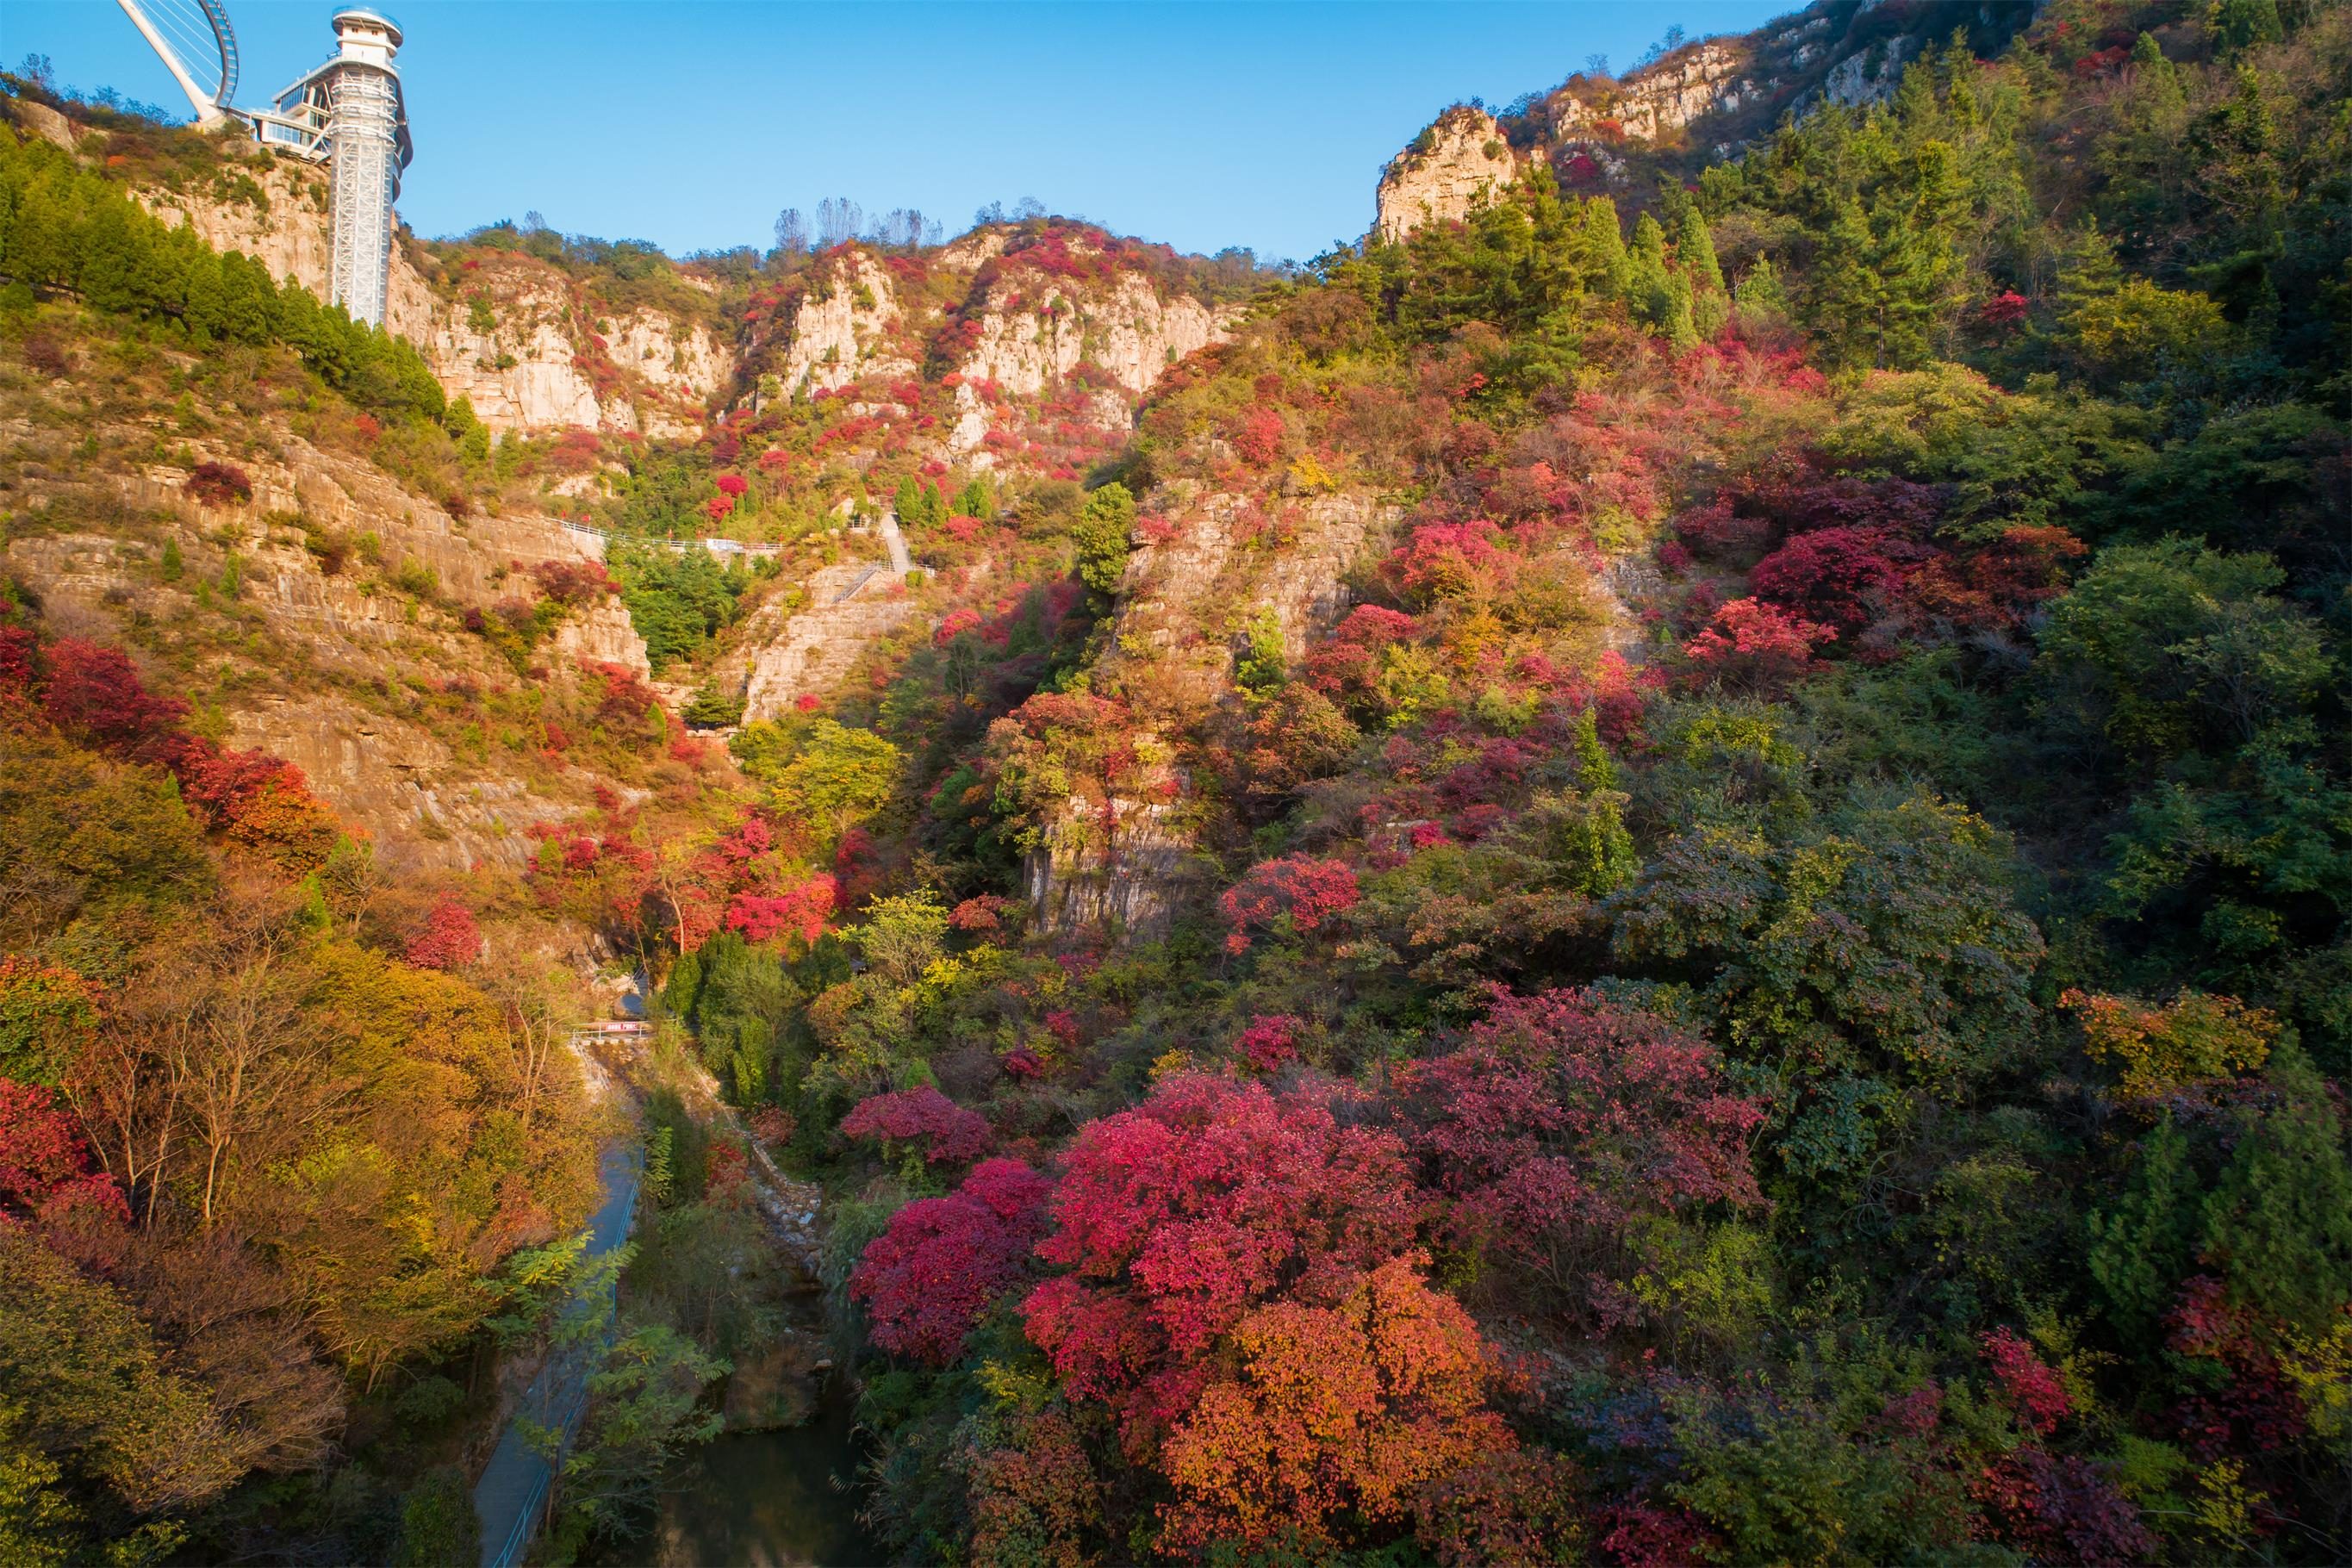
(196, 43)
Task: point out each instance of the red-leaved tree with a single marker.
(1347, 666)
(1842, 578)
(1270, 1043)
(2029, 1385)
(1564, 1117)
(1177, 1219)
(218, 484)
(926, 1280)
(1754, 646)
(1334, 1414)
(2062, 1510)
(46, 1169)
(447, 939)
(1256, 437)
(1299, 892)
(800, 911)
(95, 691)
(920, 1120)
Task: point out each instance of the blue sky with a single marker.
(691, 124)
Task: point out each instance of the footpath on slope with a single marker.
(781, 655)
(900, 562)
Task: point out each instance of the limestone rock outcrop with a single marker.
(844, 329)
(1184, 605)
(517, 345)
(1710, 79)
(786, 650)
(1124, 327)
(1710, 98)
(514, 339)
(1870, 77)
(1455, 166)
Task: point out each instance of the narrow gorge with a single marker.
(1651, 868)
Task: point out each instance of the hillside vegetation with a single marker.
(1654, 875)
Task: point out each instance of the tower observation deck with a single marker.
(349, 113)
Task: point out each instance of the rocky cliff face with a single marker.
(523, 347)
(784, 652)
(1702, 102)
(1711, 78)
(1185, 606)
(324, 614)
(1016, 345)
(1456, 166)
(1029, 339)
(847, 328)
(1870, 76)
(512, 334)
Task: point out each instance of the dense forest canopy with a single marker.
(1773, 984)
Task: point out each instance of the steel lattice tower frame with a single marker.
(363, 118)
(350, 112)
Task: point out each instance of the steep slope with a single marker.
(324, 616)
(1695, 104)
(528, 344)
(1020, 352)
(1025, 331)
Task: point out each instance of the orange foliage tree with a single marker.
(1336, 1411)
(2194, 1039)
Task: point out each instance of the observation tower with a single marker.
(347, 113)
(350, 112)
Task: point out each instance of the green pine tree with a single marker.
(1695, 248)
(2141, 1247)
(977, 499)
(2279, 1222)
(1761, 295)
(2242, 25)
(1104, 535)
(1660, 297)
(1608, 270)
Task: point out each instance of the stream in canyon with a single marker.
(772, 1500)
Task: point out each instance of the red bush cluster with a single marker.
(1754, 646)
(572, 583)
(1563, 1117)
(1177, 1218)
(1300, 889)
(1256, 436)
(218, 484)
(1270, 1043)
(447, 939)
(1451, 561)
(45, 1168)
(262, 803)
(799, 911)
(2030, 1385)
(945, 1131)
(95, 691)
(926, 1280)
(622, 698)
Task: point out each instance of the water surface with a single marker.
(772, 1500)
